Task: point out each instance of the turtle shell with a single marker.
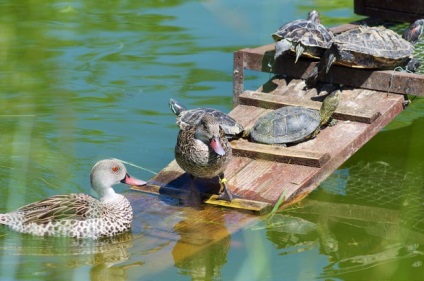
(372, 47)
(311, 34)
(289, 124)
(193, 116)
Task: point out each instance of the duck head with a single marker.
(207, 131)
(107, 173)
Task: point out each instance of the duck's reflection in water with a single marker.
(203, 245)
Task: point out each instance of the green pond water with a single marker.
(85, 80)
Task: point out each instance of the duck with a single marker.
(202, 150)
(77, 214)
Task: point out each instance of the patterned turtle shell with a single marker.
(303, 37)
(294, 124)
(187, 117)
(371, 47)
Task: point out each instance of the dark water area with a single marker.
(82, 81)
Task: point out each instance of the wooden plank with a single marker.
(281, 154)
(154, 187)
(392, 15)
(265, 180)
(413, 7)
(257, 207)
(253, 98)
(238, 75)
(402, 11)
(359, 7)
(262, 59)
(252, 178)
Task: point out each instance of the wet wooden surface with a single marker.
(264, 172)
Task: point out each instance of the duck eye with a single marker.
(115, 168)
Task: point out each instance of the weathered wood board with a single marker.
(263, 173)
(394, 10)
(259, 175)
(262, 59)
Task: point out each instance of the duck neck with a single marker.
(106, 194)
(199, 135)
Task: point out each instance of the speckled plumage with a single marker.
(80, 215)
(194, 153)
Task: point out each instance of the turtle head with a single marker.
(413, 65)
(313, 16)
(414, 31)
(176, 107)
(328, 106)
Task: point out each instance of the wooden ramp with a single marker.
(261, 174)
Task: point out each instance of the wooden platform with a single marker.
(261, 174)
(394, 10)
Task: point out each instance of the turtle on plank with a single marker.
(303, 37)
(294, 124)
(373, 47)
(187, 117)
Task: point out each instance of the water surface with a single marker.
(87, 80)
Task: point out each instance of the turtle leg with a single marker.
(332, 122)
(224, 192)
(299, 51)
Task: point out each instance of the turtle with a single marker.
(294, 124)
(374, 47)
(187, 117)
(303, 37)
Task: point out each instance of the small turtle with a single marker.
(374, 47)
(303, 37)
(294, 124)
(187, 117)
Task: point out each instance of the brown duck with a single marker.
(203, 151)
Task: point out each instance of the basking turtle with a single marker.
(374, 47)
(294, 124)
(187, 117)
(303, 37)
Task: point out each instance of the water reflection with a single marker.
(55, 257)
(85, 80)
(203, 246)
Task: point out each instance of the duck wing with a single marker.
(61, 207)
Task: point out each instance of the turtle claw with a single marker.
(299, 51)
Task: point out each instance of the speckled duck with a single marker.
(80, 215)
(203, 151)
